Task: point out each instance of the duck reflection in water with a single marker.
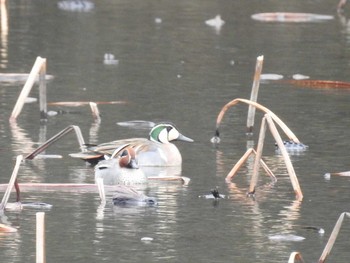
(126, 195)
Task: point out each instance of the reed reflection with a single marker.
(4, 34)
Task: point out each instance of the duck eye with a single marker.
(124, 153)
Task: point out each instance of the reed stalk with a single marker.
(333, 237)
(295, 257)
(42, 90)
(290, 169)
(258, 155)
(39, 63)
(254, 93)
(230, 104)
(101, 189)
(40, 237)
(95, 112)
(241, 161)
(10, 184)
(56, 137)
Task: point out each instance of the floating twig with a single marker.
(290, 17)
(323, 84)
(84, 103)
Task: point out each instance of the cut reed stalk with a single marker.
(40, 237)
(95, 111)
(10, 184)
(42, 91)
(295, 257)
(39, 63)
(254, 93)
(101, 189)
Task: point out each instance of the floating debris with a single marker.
(300, 77)
(215, 22)
(30, 100)
(109, 59)
(158, 20)
(291, 17)
(19, 77)
(147, 239)
(271, 76)
(137, 124)
(38, 205)
(5, 228)
(288, 237)
(17, 206)
(76, 6)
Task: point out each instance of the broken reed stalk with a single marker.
(333, 237)
(10, 184)
(289, 165)
(254, 93)
(42, 91)
(243, 159)
(230, 104)
(37, 69)
(95, 112)
(295, 256)
(56, 137)
(258, 155)
(101, 189)
(40, 237)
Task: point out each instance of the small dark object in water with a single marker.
(214, 195)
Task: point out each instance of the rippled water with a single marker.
(172, 66)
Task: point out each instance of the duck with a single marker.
(158, 150)
(122, 169)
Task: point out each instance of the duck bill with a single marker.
(184, 138)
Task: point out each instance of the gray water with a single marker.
(184, 71)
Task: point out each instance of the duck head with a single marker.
(127, 159)
(165, 133)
